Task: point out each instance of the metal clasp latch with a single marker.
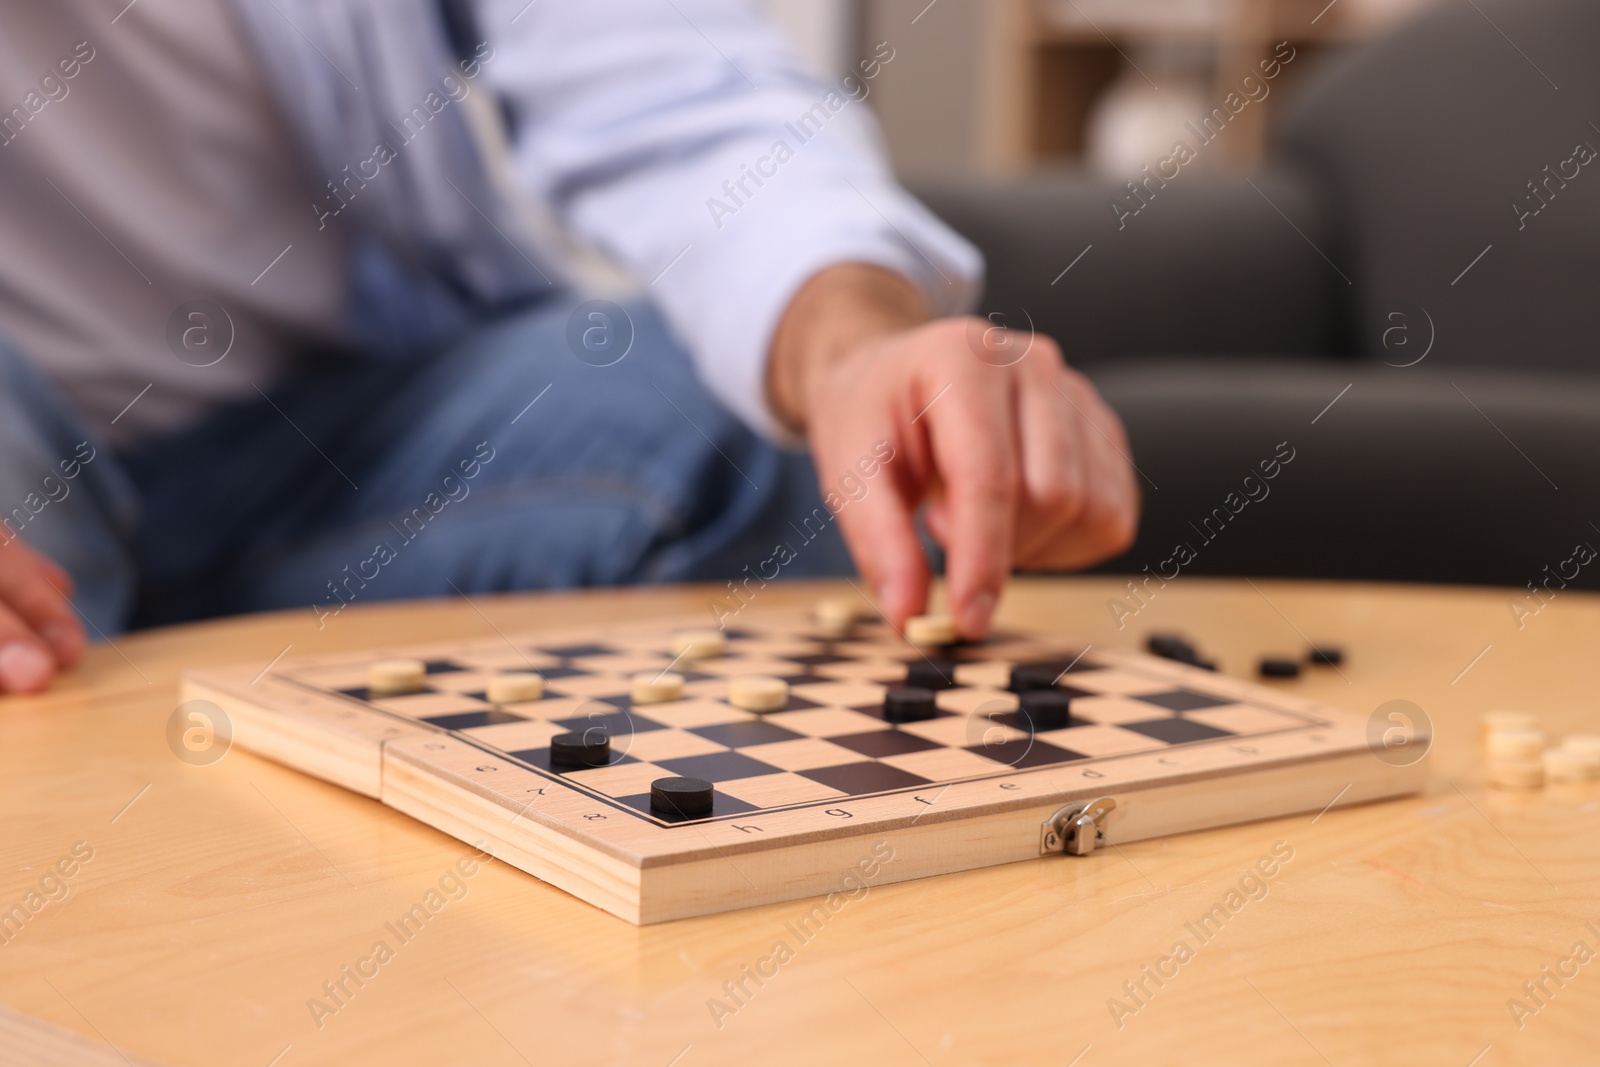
(1077, 828)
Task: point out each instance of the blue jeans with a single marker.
(502, 463)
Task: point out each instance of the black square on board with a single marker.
(859, 779)
(617, 724)
(745, 734)
(553, 673)
(574, 651)
(1026, 752)
(442, 666)
(1175, 731)
(1182, 700)
(466, 720)
(880, 743)
(818, 659)
(717, 766)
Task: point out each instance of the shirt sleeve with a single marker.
(688, 141)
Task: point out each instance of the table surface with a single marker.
(221, 898)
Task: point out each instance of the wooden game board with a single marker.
(810, 794)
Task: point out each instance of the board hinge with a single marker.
(1076, 829)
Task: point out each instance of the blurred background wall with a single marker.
(1384, 261)
(996, 86)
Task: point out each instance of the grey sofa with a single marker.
(1391, 260)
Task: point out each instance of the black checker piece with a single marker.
(745, 734)
(540, 758)
(717, 766)
(859, 779)
(721, 804)
(1182, 700)
(1175, 731)
(880, 743)
(876, 711)
(1026, 752)
(466, 720)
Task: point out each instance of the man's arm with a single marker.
(689, 142)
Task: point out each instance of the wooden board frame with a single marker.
(644, 870)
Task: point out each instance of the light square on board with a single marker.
(1114, 682)
(1100, 739)
(776, 790)
(551, 707)
(984, 675)
(506, 659)
(467, 681)
(882, 671)
(427, 705)
(690, 713)
(841, 694)
(515, 736)
(823, 722)
(1245, 719)
(335, 677)
(877, 650)
(707, 688)
(592, 686)
(729, 666)
(658, 745)
(1022, 650)
(773, 647)
(943, 764)
(975, 701)
(1115, 709)
(963, 730)
(619, 779)
(617, 664)
(802, 754)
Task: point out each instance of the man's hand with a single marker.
(1022, 462)
(39, 632)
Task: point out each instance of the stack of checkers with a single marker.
(1520, 757)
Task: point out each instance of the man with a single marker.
(286, 302)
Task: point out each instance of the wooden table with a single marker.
(219, 899)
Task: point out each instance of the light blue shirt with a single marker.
(684, 138)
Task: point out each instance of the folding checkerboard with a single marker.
(805, 794)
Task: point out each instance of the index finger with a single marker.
(882, 537)
(974, 449)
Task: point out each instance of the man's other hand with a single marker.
(39, 632)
